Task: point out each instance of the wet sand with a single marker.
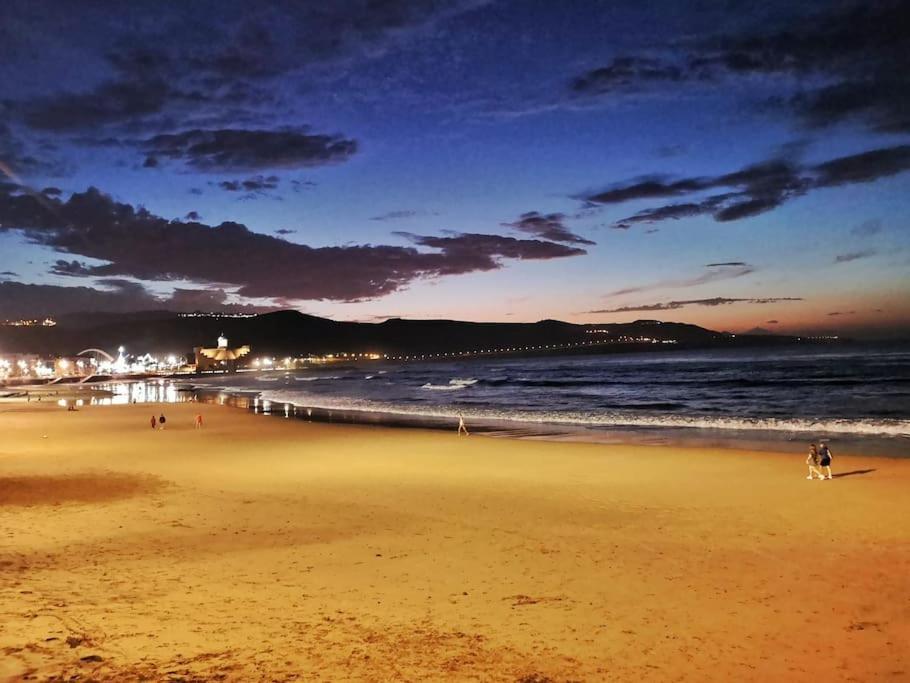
(267, 549)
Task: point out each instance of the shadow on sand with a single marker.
(850, 474)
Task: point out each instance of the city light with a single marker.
(217, 315)
(100, 363)
(46, 322)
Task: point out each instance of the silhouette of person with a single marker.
(824, 454)
(812, 460)
(462, 429)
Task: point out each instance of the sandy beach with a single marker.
(267, 549)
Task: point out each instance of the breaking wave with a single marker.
(453, 385)
(602, 420)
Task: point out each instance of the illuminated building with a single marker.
(221, 358)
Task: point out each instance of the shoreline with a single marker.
(669, 436)
(173, 390)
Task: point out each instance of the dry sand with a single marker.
(265, 549)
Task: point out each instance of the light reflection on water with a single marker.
(152, 391)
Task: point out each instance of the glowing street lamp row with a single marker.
(34, 367)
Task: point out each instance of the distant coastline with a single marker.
(294, 334)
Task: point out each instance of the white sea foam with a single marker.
(453, 385)
(603, 420)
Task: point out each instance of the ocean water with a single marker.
(798, 393)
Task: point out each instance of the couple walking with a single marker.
(159, 422)
(818, 458)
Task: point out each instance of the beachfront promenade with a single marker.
(265, 549)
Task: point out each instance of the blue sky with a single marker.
(733, 166)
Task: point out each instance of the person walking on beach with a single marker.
(824, 454)
(161, 420)
(154, 422)
(812, 460)
(199, 421)
(462, 429)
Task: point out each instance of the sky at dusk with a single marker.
(729, 164)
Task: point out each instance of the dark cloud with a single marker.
(750, 207)
(772, 322)
(136, 243)
(549, 226)
(854, 256)
(190, 300)
(9, 273)
(239, 150)
(395, 215)
(668, 212)
(865, 167)
(864, 49)
(845, 36)
(715, 272)
(759, 188)
(752, 190)
(851, 62)
(28, 300)
(472, 251)
(192, 216)
(18, 300)
(108, 103)
(256, 185)
(166, 65)
(882, 102)
(289, 34)
(284, 231)
(651, 187)
(139, 87)
(52, 191)
(624, 73)
(674, 305)
(71, 268)
(836, 313)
